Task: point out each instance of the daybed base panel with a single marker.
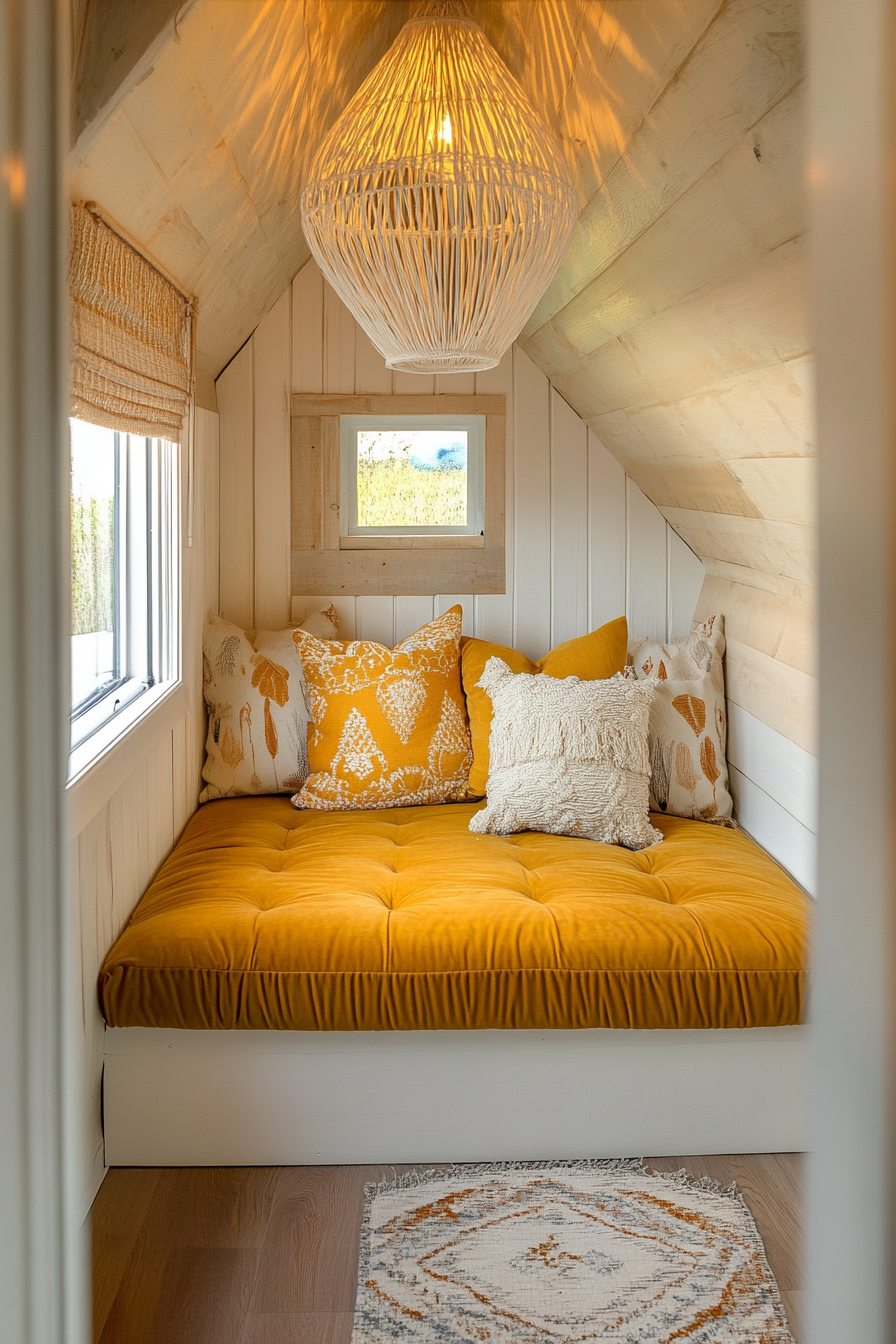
(237, 1098)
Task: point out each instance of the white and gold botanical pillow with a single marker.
(257, 719)
(688, 724)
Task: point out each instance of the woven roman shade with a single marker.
(132, 361)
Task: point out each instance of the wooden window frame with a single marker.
(413, 566)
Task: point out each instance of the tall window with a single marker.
(122, 514)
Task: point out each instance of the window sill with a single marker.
(99, 766)
(445, 541)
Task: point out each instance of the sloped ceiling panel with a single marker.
(202, 162)
(677, 325)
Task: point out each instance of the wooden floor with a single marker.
(268, 1255)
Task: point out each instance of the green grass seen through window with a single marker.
(397, 494)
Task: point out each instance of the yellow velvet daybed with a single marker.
(269, 917)
(301, 986)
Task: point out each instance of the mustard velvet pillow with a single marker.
(389, 727)
(592, 657)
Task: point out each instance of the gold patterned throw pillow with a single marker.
(688, 724)
(389, 725)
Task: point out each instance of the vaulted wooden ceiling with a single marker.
(677, 325)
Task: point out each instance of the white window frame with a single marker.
(349, 428)
(148, 543)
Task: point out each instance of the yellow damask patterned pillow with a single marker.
(389, 725)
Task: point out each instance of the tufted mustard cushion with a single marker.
(265, 916)
(591, 657)
(390, 725)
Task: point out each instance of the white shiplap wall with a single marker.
(774, 784)
(120, 833)
(583, 543)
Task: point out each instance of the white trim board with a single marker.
(782, 769)
(774, 784)
(260, 1098)
(788, 841)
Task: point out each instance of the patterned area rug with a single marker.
(563, 1252)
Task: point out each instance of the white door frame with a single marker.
(850, 174)
(42, 1270)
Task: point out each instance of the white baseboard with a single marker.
(774, 784)
(231, 1098)
(775, 829)
(783, 770)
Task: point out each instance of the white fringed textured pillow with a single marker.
(567, 756)
(688, 724)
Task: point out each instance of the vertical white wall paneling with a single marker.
(375, 619)
(445, 601)
(410, 614)
(606, 535)
(94, 882)
(339, 344)
(346, 607)
(773, 827)
(207, 423)
(774, 784)
(127, 816)
(200, 576)
(461, 384)
(646, 566)
(161, 831)
(783, 770)
(205, 545)
(569, 522)
(413, 384)
(237, 489)
(371, 374)
(531, 508)
(272, 466)
(494, 611)
(184, 774)
(685, 575)
(370, 618)
(81, 1044)
(307, 331)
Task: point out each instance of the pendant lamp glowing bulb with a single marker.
(439, 206)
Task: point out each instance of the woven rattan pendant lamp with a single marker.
(439, 206)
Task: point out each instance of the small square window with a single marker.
(398, 494)
(412, 476)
